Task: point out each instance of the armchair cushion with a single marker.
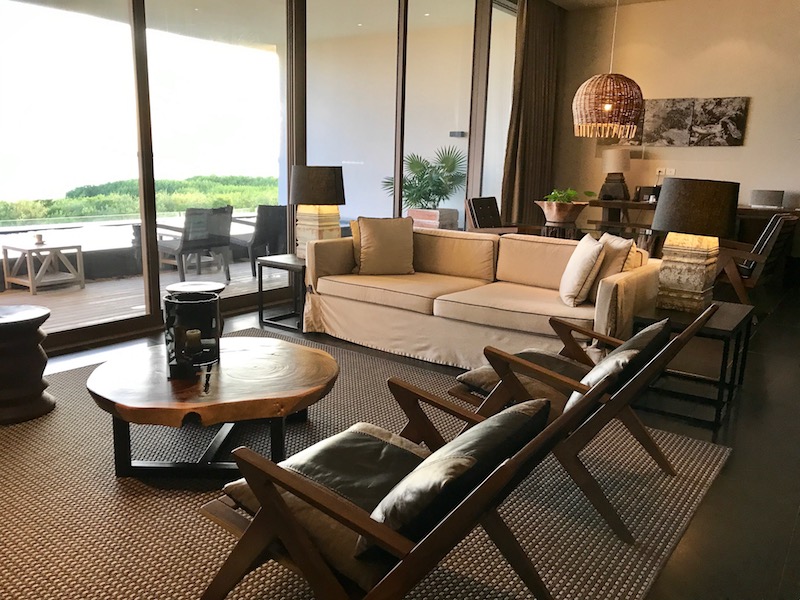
(484, 379)
(581, 271)
(627, 359)
(438, 484)
(383, 246)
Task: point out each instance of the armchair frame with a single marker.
(274, 521)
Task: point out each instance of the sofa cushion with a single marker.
(438, 484)
(627, 359)
(617, 251)
(456, 253)
(415, 292)
(383, 246)
(581, 271)
(533, 260)
(511, 306)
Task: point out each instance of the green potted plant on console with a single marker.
(561, 206)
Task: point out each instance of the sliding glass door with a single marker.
(68, 166)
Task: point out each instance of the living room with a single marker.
(740, 543)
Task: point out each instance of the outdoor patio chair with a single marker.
(204, 230)
(268, 235)
(745, 267)
(635, 365)
(368, 514)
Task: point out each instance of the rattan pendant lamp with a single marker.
(607, 105)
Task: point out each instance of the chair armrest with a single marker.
(622, 295)
(328, 257)
(572, 349)
(734, 245)
(726, 253)
(419, 427)
(169, 227)
(258, 470)
(244, 220)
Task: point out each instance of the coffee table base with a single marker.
(207, 466)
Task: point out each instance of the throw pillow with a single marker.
(581, 271)
(383, 246)
(428, 493)
(617, 250)
(627, 359)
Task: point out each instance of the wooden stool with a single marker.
(22, 363)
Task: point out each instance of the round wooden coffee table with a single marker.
(256, 378)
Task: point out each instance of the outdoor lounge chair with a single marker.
(204, 230)
(268, 235)
(392, 515)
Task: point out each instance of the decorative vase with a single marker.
(435, 218)
(561, 212)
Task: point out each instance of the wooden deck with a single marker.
(107, 300)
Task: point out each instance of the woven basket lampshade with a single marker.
(606, 106)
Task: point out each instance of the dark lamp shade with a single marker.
(697, 206)
(316, 185)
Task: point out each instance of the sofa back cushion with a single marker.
(383, 246)
(457, 253)
(533, 260)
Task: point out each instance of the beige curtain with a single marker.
(528, 171)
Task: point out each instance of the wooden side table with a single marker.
(297, 276)
(22, 362)
(731, 324)
(43, 265)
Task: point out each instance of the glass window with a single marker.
(68, 166)
(438, 87)
(352, 65)
(498, 100)
(217, 90)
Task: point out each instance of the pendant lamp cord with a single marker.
(613, 39)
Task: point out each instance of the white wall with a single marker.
(691, 49)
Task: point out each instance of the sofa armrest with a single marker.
(622, 295)
(328, 257)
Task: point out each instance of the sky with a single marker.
(68, 112)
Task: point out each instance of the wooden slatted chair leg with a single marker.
(588, 484)
(638, 431)
(516, 556)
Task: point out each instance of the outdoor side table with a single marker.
(44, 265)
(296, 268)
(731, 325)
(22, 363)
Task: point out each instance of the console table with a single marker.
(43, 265)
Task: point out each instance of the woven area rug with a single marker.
(69, 529)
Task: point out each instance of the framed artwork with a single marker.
(682, 122)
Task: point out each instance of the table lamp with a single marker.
(615, 162)
(317, 192)
(695, 213)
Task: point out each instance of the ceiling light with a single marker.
(608, 105)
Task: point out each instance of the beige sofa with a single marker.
(469, 290)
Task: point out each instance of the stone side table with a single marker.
(22, 363)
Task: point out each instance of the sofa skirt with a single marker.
(421, 336)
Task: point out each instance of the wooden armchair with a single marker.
(633, 366)
(744, 266)
(370, 550)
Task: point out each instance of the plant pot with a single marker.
(434, 218)
(561, 212)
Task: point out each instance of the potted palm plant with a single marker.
(561, 206)
(428, 183)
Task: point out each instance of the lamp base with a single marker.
(614, 188)
(316, 222)
(688, 270)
